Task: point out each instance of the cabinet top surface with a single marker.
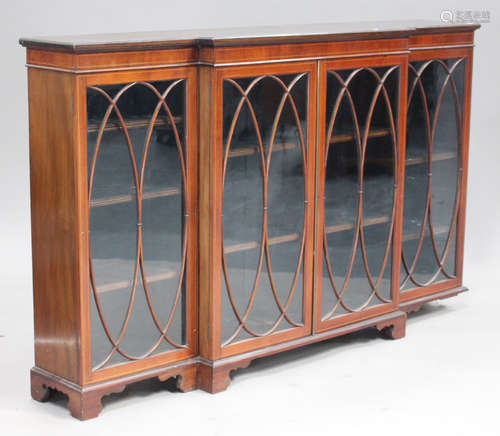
(292, 33)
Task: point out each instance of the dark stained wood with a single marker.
(60, 69)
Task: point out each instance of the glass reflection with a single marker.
(432, 171)
(360, 163)
(137, 223)
(263, 205)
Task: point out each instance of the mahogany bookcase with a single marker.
(201, 199)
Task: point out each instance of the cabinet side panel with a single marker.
(54, 222)
(465, 164)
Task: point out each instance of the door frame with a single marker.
(321, 325)
(211, 208)
(190, 74)
(444, 285)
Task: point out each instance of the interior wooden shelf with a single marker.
(242, 247)
(295, 236)
(436, 157)
(348, 226)
(272, 241)
(247, 151)
(346, 137)
(128, 283)
(131, 124)
(329, 229)
(409, 162)
(437, 231)
(131, 197)
(233, 153)
(254, 244)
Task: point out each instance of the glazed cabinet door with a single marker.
(359, 189)
(266, 151)
(436, 154)
(141, 143)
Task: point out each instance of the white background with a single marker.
(443, 378)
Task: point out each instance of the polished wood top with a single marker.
(296, 33)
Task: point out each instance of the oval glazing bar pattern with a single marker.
(138, 221)
(264, 204)
(433, 171)
(360, 189)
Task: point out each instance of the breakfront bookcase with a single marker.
(201, 199)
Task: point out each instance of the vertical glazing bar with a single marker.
(319, 195)
(313, 111)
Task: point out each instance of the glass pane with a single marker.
(432, 171)
(137, 225)
(360, 163)
(264, 155)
